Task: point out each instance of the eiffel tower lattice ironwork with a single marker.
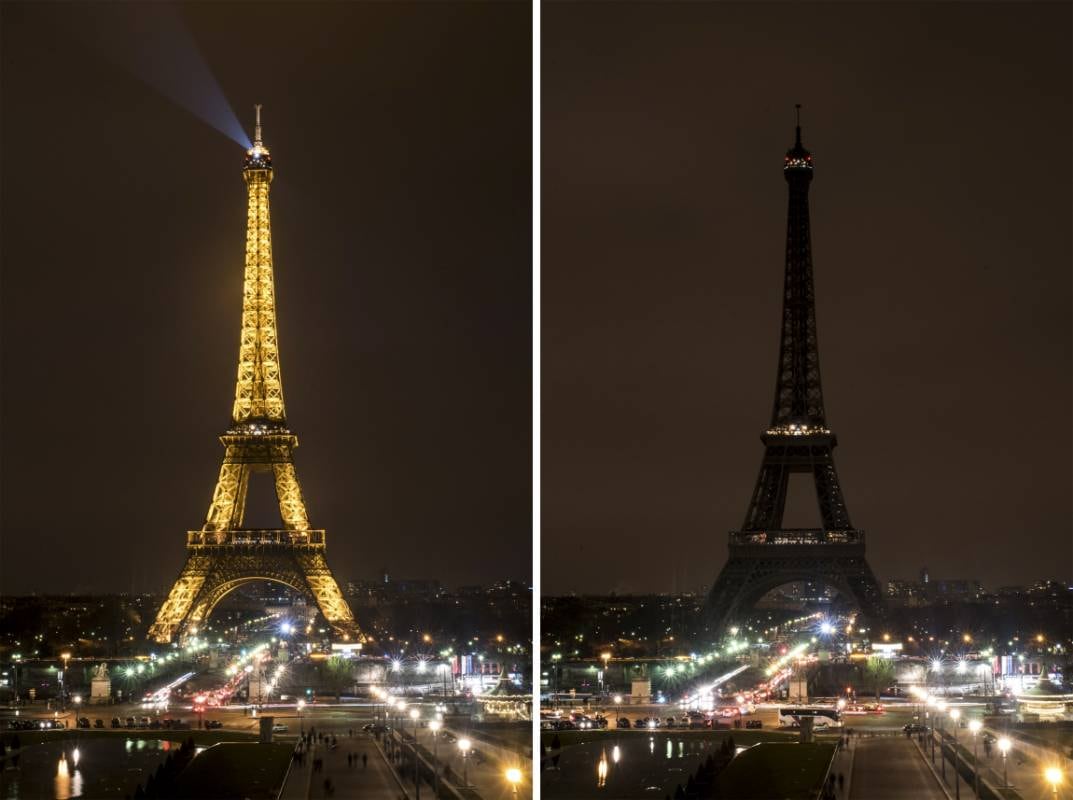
(223, 555)
(763, 554)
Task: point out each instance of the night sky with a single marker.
(941, 231)
(401, 209)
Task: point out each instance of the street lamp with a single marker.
(974, 726)
(434, 726)
(63, 680)
(1004, 748)
(463, 745)
(941, 705)
(1054, 777)
(514, 776)
(77, 700)
(954, 714)
(414, 714)
(301, 724)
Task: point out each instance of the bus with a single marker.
(790, 717)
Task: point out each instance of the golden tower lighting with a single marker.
(224, 555)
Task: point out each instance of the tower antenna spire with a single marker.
(257, 129)
(797, 113)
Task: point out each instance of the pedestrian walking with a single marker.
(349, 760)
(841, 781)
(364, 761)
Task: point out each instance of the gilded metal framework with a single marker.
(223, 555)
(763, 554)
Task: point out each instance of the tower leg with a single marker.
(181, 598)
(329, 598)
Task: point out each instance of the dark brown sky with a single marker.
(941, 226)
(401, 134)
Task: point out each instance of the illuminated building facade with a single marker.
(224, 555)
(764, 554)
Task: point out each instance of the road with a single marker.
(890, 768)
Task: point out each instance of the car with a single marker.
(914, 727)
(670, 723)
(130, 723)
(155, 725)
(117, 722)
(98, 723)
(210, 724)
(279, 727)
(988, 737)
(640, 722)
(622, 723)
(143, 722)
(83, 722)
(754, 723)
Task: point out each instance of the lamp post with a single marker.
(1004, 748)
(77, 700)
(463, 745)
(954, 714)
(941, 706)
(974, 726)
(514, 777)
(414, 714)
(301, 724)
(1054, 777)
(434, 726)
(63, 680)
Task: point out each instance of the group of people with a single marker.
(331, 741)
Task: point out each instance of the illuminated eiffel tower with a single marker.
(763, 554)
(224, 555)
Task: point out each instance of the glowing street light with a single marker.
(1054, 777)
(514, 777)
(974, 726)
(1004, 748)
(954, 714)
(414, 715)
(434, 725)
(464, 745)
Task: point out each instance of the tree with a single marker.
(337, 675)
(878, 673)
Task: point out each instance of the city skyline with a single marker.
(940, 227)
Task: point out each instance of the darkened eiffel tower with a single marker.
(764, 554)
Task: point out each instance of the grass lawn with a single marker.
(236, 771)
(787, 770)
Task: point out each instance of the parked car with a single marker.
(98, 723)
(914, 727)
(640, 722)
(670, 723)
(83, 722)
(130, 722)
(210, 724)
(754, 723)
(622, 723)
(279, 727)
(116, 722)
